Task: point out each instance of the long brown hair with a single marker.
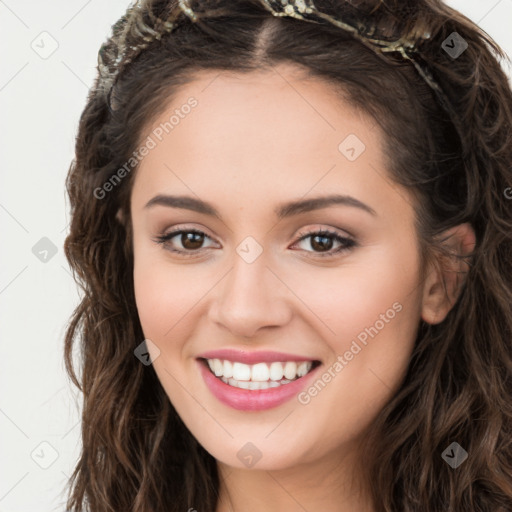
(136, 453)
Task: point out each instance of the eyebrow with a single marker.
(282, 211)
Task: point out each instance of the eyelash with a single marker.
(347, 243)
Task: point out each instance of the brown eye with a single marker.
(322, 243)
(191, 241)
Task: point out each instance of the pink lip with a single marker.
(252, 357)
(253, 400)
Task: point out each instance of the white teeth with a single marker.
(228, 369)
(241, 371)
(244, 384)
(217, 367)
(276, 371)
(290, 370)
(210, 364)
(303, 368)
(259, 373)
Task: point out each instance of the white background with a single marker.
(41, 101)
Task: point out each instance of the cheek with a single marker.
(155, 301)
(372, 314)
(366, 289)
(164, 296)
(168, 300)
(165, 291)
(372, 310)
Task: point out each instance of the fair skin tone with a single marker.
(252, 143)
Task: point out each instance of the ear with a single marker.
(120, 216)
(446, 273)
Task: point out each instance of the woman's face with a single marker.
(278, 159)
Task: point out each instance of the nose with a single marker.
(251, 297)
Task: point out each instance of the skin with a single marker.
(253, 142)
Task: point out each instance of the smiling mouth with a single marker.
(260, 375)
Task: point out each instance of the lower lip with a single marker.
(253, 400)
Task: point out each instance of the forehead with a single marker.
(258, 133)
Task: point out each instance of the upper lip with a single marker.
(253, 356)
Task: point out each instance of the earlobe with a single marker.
(120, 216)
(447, 272)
